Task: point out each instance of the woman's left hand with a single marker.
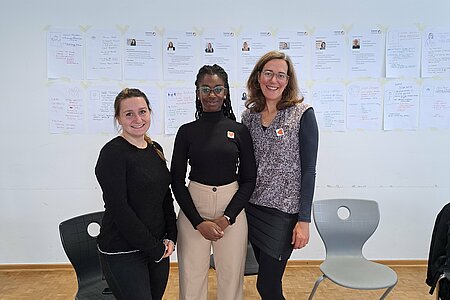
(170, 248)
(222, 222)
(300, 235)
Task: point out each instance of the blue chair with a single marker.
(344, 226)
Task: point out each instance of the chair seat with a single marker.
(358, 273)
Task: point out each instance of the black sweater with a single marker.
(219, 151)
(139, 210)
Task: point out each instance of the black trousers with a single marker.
(270, 275)
(133, 276)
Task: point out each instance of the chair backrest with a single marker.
(345, 224)
(81, 247)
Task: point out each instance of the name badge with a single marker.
(230, 134)
(280, 132)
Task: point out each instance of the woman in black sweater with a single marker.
(138, 230)
(222, 177)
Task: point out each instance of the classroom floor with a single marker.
(298, 282)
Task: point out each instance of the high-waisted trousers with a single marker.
(194, 250)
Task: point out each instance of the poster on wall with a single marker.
(65, 53)
(103, 55)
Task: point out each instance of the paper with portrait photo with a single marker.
(366, 53)
(296, 44)
(219, 47)
(328, 54)
(142, 55)
(251, 46)
(180, 53)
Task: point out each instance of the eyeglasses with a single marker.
(279, 76)
(206, 90)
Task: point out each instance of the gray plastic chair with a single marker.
(344, 226)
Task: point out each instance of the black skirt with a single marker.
(271, 230)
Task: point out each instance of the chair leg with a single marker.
(316, 285)
(387, 292)
(438, 283)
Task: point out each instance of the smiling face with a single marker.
(134, 117)
(272, 88)
(211, 101)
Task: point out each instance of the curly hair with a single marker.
(227, 109)
(256, 100)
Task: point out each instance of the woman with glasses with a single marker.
(221, 179)
(285, 137)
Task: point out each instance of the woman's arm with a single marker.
(111, 175)
(309, 140)
(247, 175)
(178, 169)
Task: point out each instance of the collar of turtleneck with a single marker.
(212, 116)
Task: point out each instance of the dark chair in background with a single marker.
(81, 249)
(251, 265)
(344, 226)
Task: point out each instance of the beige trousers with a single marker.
(194, 250)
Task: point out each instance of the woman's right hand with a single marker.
(210, 230)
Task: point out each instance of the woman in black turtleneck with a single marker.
(221, 180)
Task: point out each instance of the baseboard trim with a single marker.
(35, 267)
(291, 264)
(390, 263)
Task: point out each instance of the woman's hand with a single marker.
(170, 247)
(210, 230)
(300, 235)
(222, 222)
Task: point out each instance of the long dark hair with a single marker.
(219, 71)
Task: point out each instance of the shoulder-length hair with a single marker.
(256, 100)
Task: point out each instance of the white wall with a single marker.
(46, 178)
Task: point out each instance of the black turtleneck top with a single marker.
(219, 151)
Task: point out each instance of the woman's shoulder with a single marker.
(248, 114)
(116, 143)
(114, 149)
(157, 145)
(300, 107)
(186, 127)
(238, 126)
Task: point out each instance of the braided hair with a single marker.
(220, 72)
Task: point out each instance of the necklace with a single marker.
(267, 117)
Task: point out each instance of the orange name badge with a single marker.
(230, 134)
(280, 132)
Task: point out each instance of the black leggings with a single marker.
(270, 274)
(134, 276)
